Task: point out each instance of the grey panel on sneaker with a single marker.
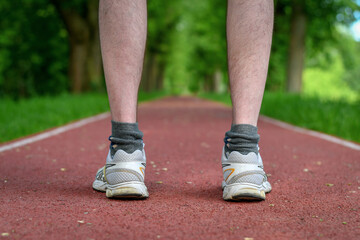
(249, 177)
(122, 156)
(256, 177)
(125, 167)
(126, 175)
(137, 177)
(236, 157)
(243, 176)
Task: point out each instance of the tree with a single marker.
(186, 46)
(32, 50)
(303, 27)
(81, 22)
(297, 46)
(162, 17)
(208, 33)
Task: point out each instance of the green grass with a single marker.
(328, 83)
(28, 116)
(335, 117)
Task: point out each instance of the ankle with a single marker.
(243, 138)
(125, 136)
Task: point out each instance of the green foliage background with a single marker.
(33, 50)
(186, 46)
(189, 39)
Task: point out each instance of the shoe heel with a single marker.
(127, 191)
(243, 193)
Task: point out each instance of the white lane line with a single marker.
(312, 133)
(53, 132)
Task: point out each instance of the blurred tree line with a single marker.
(52, 46)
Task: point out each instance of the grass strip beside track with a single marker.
(28, 116)
(335, 117)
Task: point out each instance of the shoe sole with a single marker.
(132, 190)
(243, 192)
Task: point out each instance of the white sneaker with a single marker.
(244, 177)
(123, 175)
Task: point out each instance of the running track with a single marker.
(45, 187)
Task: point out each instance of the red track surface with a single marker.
(38, 200)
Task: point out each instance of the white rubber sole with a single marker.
(128, 190)
(243, 191)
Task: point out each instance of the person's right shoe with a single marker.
(244, 177)
(123, 175)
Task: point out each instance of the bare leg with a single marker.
(123, 27)
(249, 32)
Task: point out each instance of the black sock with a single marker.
(125, 136)
(242, 138)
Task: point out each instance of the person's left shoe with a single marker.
(244, 177)
(123, 175)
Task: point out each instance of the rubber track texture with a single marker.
(46, 193)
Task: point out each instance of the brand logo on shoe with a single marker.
(226, 171)
(142, 170)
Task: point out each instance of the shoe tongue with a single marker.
(242, 158)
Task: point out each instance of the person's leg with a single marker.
(123, 28)
(249, 33)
